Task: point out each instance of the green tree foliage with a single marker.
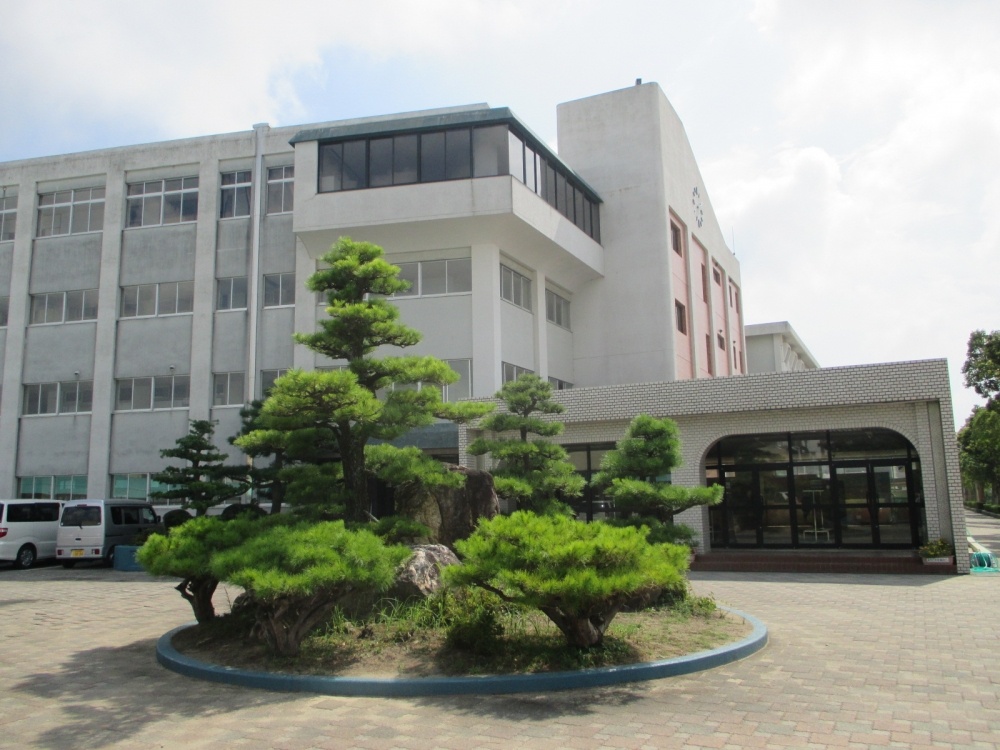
(979, 445)
(329, 418)
(636, 473)
(206, 480)
(185, 553)
(982, 365)
(295, 575)
(578, 574)
(534, 472)
(262, 444)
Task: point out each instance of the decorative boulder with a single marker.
(452, 513)
(420, 576)
(417, 578)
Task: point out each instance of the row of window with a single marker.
(147, 204)
(142, 300)
(454, 154)
(74, 487)
(65, 397)
(430, 277)
(173, 391)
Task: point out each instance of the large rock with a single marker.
(452, 513)
(420, 576)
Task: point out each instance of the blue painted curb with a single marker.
(383, 687)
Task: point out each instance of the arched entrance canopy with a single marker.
(825, 488)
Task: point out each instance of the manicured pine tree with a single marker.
(205, 480)
(330, 417)
(636, 473)
(533, 471)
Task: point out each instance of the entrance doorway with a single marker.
(858, 496)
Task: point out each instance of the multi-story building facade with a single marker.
(144, 286)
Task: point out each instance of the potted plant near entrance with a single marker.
(938, 552)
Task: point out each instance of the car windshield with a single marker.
(81, 515)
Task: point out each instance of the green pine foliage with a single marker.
(185, 552)
(578, 574)
(295, 575)
(323, 421)
(534, 472)
(635, 474)
(258, 442)
(982, 364)
(205, 480)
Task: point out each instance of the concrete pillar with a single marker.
(541, 328)
(486, 354)
(105, 348)
(17, 318)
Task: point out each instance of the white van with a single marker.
(91, 529)
(28, 530)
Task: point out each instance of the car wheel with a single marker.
(69, 563)
(109, 558)
(25, 557)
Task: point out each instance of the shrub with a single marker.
(186, 550)
(937, 548)
(296, 575)
(579, 575)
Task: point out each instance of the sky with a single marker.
(850, 149)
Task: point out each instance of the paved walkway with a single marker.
(854, 661)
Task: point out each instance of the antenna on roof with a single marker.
(638, 81)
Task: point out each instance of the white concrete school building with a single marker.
(144, 286)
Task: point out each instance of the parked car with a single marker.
(91, 529)
(28, 530)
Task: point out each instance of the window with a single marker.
(556, 309)
(457, 154)
(280, 190)
(429, 277)
(717, 274)
(559, 385)
(4, 307)
(704, 282)
(267, 378)
(708, 354)
(231, 294)
(227, 389)
(71, 212)
(235, 194)
(167, 298)
(139, 487)
(721, 340)
(515, 288)
(675, 239)
(279, 289)
(680, 313)
(161, 392)
(8, 213)
(64, 307)
(512, 372)
(65, 487)
(67, 397)
(157, 202)
(461, 388)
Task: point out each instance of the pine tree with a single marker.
(206, 480)
(636, 473)
(534, 472)
(330, 417)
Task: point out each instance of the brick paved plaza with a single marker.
(854, 661)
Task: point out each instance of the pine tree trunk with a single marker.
(198, 592)
(352, 456)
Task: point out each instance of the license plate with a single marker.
(76, 553)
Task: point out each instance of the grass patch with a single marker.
(465, 634)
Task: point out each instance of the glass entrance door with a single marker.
(875, 505)
(757, 508)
